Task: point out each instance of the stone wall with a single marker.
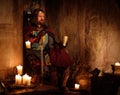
(92, 27)
(10, 36)
(93, 30)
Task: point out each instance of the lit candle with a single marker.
(77, 86)
(117, 64)
(19, 69)
(18, 79)
(28, 44)
(29, 81)
(65, 39)
(25, 78)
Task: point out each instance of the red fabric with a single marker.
(27, 30)
(60, 58)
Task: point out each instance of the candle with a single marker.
(18, 79)
(26, 80)
(117, 64)
(29, 81)
(19, 69)
(65, 39)
(77, 86)
(28, 44)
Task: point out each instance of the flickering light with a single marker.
(19, 69)
(26, 80)
(65, 39)
(18, 79)
(28, 44)
(77, 86)
(117, 64)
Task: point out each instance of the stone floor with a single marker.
(104, 85)
(43, 90)
(32, 90)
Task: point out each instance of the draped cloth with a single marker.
(60, 58)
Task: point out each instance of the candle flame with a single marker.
(117, 64)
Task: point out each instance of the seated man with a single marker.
(39, 35)
(43, 39)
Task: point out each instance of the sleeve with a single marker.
(51, 42)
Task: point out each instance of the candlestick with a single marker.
(28, 44)
(19, 69)
(65, 39)
(42, 64)
(18, 79)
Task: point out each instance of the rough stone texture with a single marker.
(10, 36)
(93, 30)
(92, 27)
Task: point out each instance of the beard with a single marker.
(41, 22)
